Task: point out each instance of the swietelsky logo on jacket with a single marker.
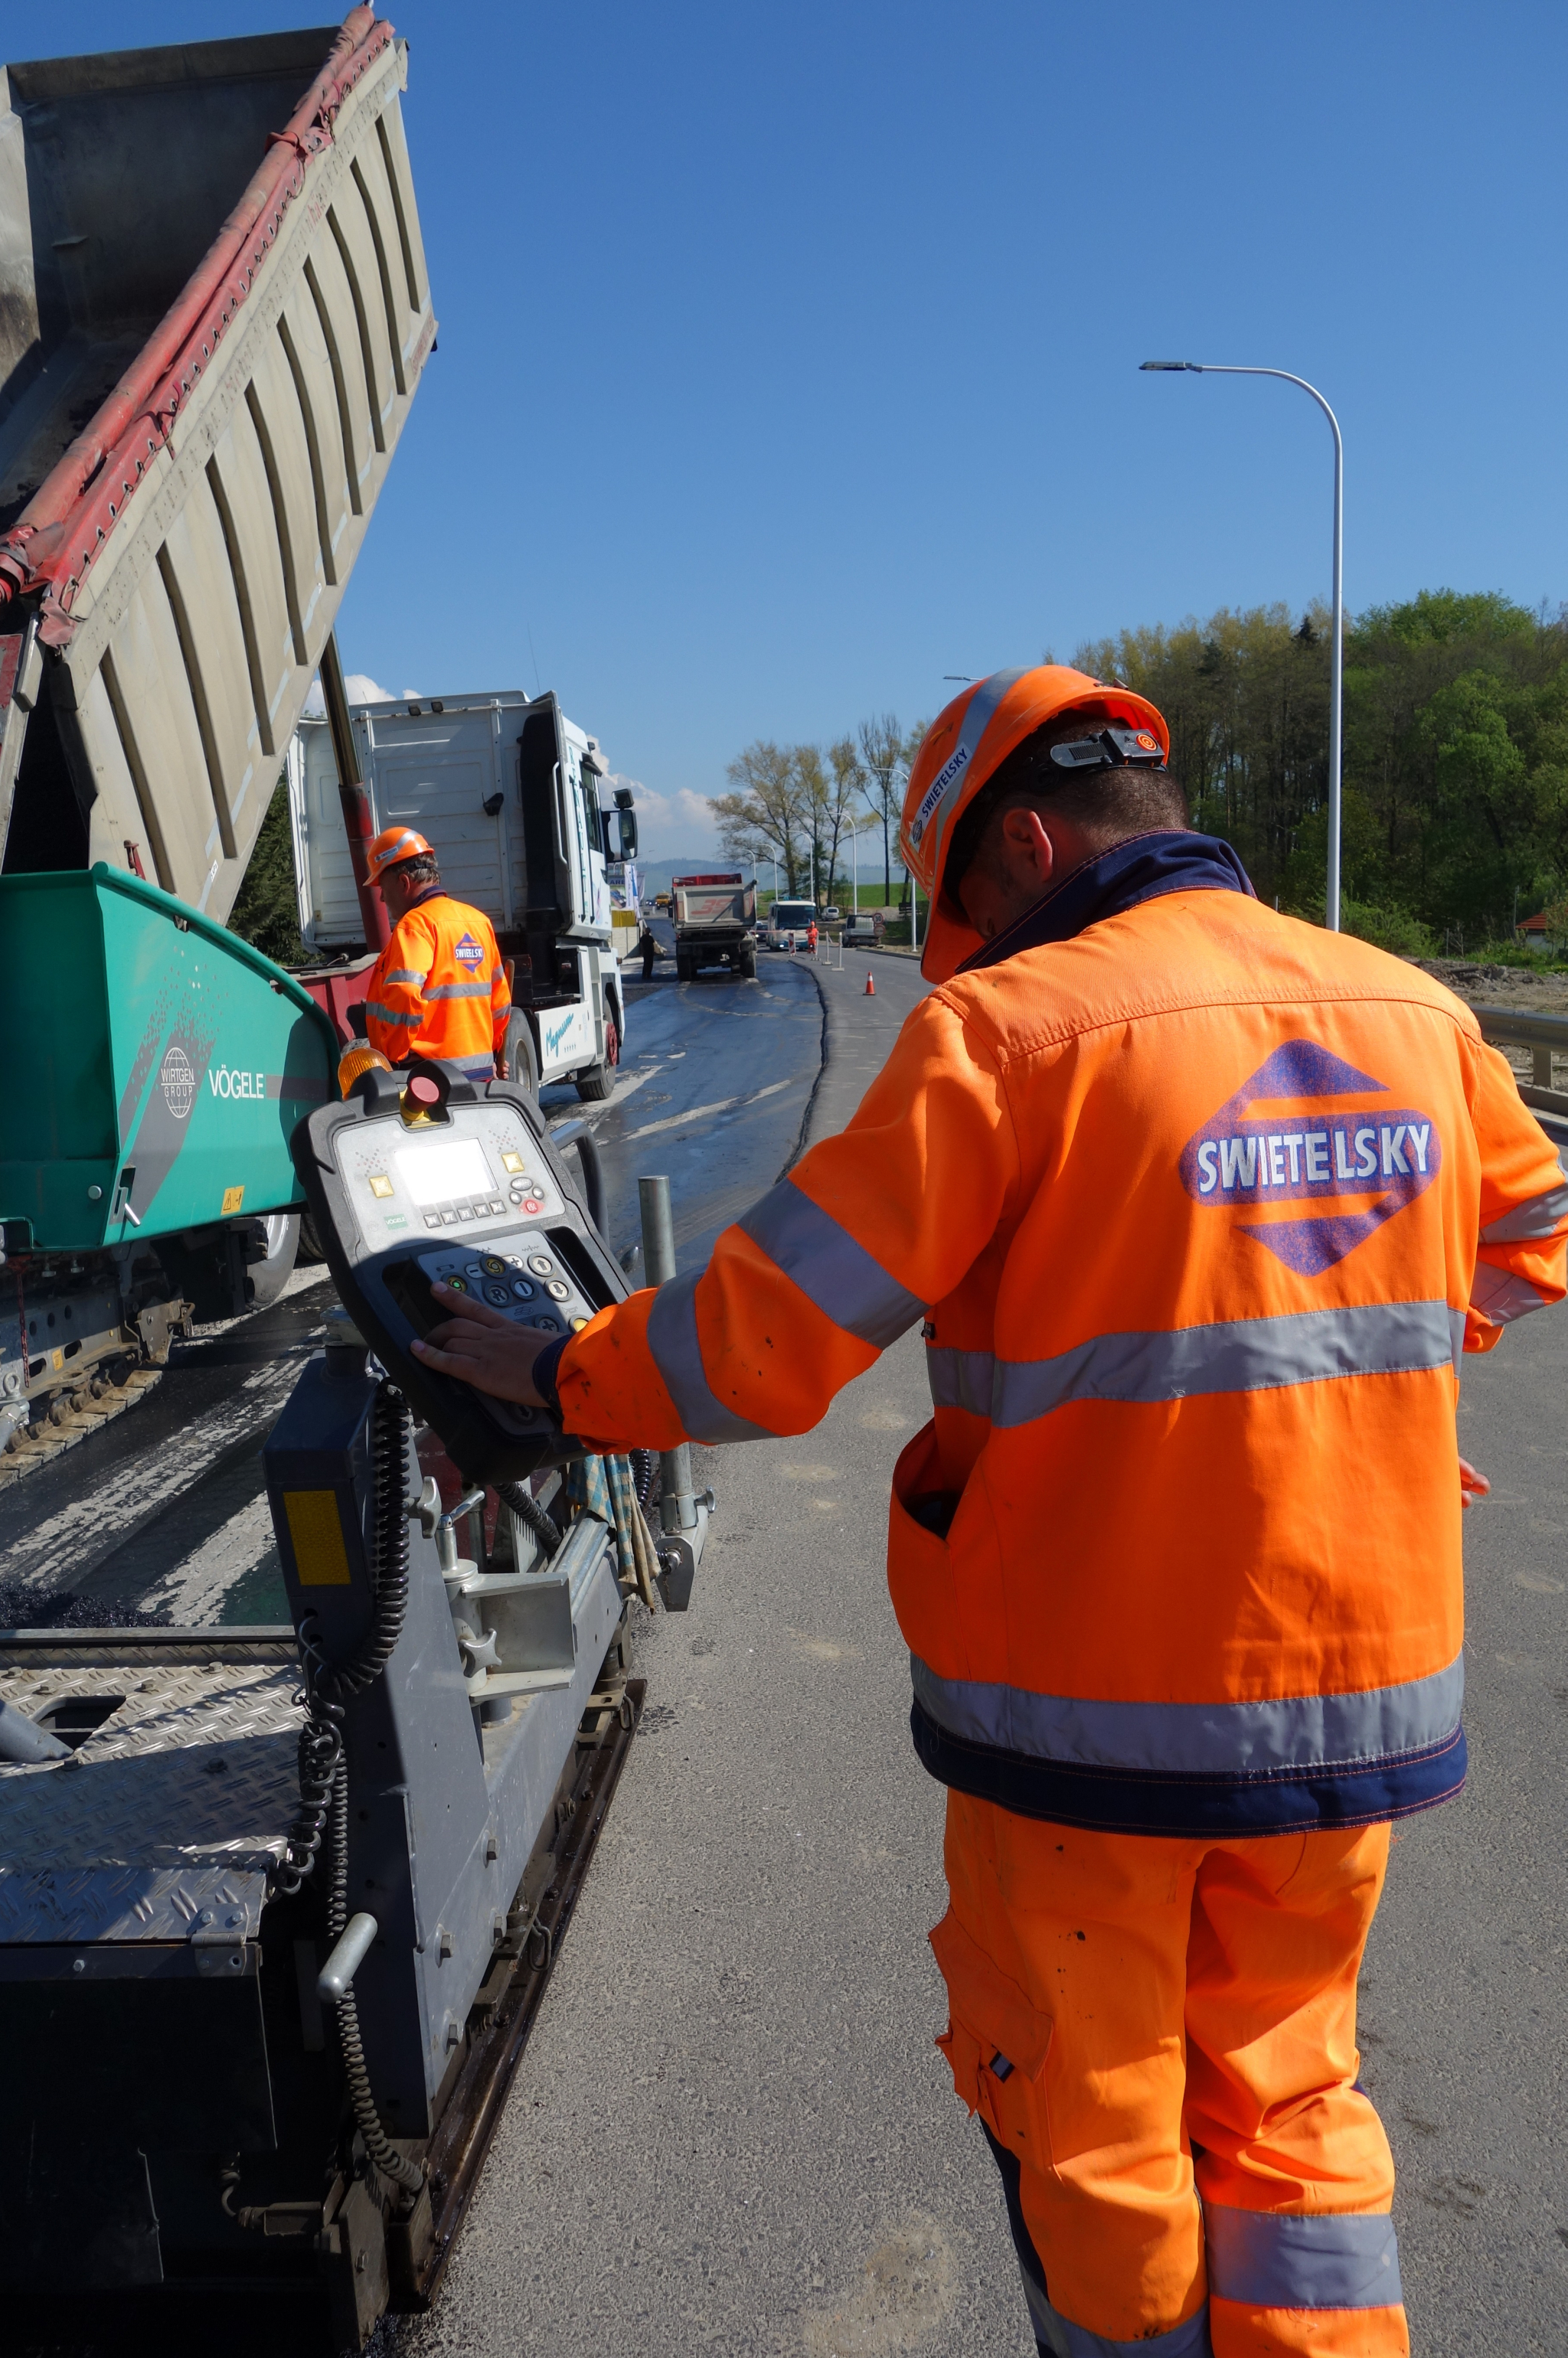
(1254, 1154)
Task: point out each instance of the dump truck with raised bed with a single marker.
(716, 922)
(213, 316)
(517, 804)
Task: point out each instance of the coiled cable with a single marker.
(323, 1763)
(529, 1512)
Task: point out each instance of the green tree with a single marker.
(764, 818)
(267, 907)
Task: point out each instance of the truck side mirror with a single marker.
(628, 832)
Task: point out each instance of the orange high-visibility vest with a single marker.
(439, 989)
(1201, 1207)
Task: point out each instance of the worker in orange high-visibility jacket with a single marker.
(439, 989)
(1199, 1206)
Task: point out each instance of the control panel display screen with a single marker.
(437, 1173)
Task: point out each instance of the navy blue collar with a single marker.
(1141, 869)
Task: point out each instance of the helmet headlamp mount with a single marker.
(1111, 749)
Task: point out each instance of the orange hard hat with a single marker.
(391, 846)
(966, 745)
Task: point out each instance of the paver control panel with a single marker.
(466, 1188)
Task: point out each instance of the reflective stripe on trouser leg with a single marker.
(1273, 2259)
(1058, 2335)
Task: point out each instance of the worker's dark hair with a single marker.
(1110, 804)
(420, 869)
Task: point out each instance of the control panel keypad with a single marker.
(519, 1276)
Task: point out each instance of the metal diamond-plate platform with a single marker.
(166, 1822)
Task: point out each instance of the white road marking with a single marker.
(700, 1113)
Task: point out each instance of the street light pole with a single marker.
(1336, 649)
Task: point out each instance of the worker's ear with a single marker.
(1025, 844)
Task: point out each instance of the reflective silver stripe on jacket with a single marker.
(677, 1355)
(1273, 2259)
(1541, 1217)
(844, 1281)
(459, 991)
(405, 974)
(393, 1015)
(1502, 1295)
(1241, 1355)
(1199, 1739)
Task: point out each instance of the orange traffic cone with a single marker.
(871, 984)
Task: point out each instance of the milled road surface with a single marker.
(730, 2131)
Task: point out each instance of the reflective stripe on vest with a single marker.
(409, 1021)
(459, 991)
(1272, 2259)
(1241, 1354)
(832, 1271)
(1200, 1739)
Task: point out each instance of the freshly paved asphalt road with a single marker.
(730, 2131)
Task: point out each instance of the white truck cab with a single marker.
(515, 801)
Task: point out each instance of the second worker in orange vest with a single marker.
(439, 989)
(1199, 1206)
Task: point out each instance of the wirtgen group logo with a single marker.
(1369, 1163)
(178, 1082)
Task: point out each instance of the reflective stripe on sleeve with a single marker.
(1199, 1739)
(1270, 2259)
(1502, 1295)
(677, 1355)
(405, 974)
(459, 991)
(838, 1275)
(961, 1379)
(1243, 1355)
(410, 1023)
(1541, 1217)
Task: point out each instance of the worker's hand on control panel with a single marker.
(480, 1347)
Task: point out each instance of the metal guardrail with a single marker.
(1507, 1027)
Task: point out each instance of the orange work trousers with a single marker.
(1160, 2039)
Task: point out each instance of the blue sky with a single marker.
(788, 355)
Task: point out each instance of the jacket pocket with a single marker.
(920, 1569)
(996, 2044)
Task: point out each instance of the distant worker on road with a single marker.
(439, 988)
(1197, 1206)
(648, 943)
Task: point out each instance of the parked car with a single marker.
(862, 933)
(832, 916)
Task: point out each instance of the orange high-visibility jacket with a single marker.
(1201, 1206)
(439, 989)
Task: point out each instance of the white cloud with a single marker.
(359, 687)
(676, 823)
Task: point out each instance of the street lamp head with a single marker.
(1195, 366)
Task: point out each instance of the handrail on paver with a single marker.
(1508, 1027)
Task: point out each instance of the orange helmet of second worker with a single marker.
(391, 846)
(964, 747)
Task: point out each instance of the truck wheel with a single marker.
(599, 1082)
(522, 1064)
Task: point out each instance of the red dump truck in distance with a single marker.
(716, 922)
